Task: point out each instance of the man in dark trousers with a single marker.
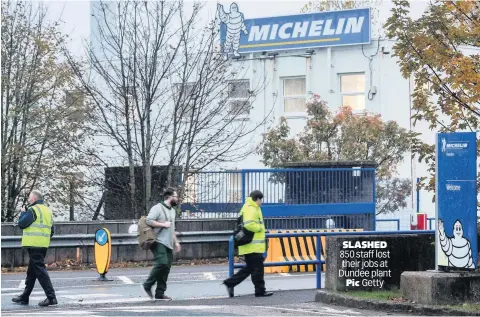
(37, 223)
(253, 251)
(162, 218)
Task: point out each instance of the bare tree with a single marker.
(212, 106)
(40, 131)
(162, 92)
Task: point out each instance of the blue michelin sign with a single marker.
(332, 28)
(456, 200)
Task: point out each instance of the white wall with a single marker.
(392, 100)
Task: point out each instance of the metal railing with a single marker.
(231, 249)
(284, 186)
(87, 240)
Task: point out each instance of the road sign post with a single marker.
(103, 252)
(456, 201)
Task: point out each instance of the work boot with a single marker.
(48, 302)
(264, 294)
(20, 300)
(230, 290)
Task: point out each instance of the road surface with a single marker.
(196, 290)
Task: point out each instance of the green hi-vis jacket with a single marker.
(253, 221)
(39, 232)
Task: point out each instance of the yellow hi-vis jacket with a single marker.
(39, 232)
(253, 221)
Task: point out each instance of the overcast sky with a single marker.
(75, 15)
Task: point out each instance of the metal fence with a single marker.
(293, 197)
(279, 186)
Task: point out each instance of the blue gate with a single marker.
(294, 198)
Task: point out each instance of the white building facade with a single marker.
(364, 75)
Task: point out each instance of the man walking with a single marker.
(253, 251)
(162, 218)
(37, 224)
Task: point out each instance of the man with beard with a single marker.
(162, 218)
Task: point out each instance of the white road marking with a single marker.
(22, 284)
(59, 312)
(284, 274)
(125, 280)
(310, 311)
(33, 293)
(112, 276)
(9, 289)
(102, 284)
(78, 296)
(209, 276)
(155, 308)
(146, 275)
(116, 300)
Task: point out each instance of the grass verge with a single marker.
(393, 295)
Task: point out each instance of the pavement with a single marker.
(196, 290)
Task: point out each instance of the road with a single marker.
(196, 290)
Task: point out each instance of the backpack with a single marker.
(241, 236)
(145, 234)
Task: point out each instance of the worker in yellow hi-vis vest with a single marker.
(37, 223)
(252, 218)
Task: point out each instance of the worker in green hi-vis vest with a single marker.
(253, 251)
(37, 223)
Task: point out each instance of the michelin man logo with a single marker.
(234, 23)
(457, 248)
(444, 145)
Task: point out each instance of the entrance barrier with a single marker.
(297, 248)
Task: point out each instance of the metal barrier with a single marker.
(390, 220)
(231, 249)
(81, 240)
(348, 194)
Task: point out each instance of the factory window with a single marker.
(239, 98)
(294, 94)
(352, 88)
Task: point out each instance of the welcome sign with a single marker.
(332, 28)
(456, 194)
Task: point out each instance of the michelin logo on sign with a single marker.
(305, 29)
(449, 147)
(334, 28)
(453, 145)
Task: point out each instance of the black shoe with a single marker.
(230, 291)
(148, 291)
(48, 302)
(264, 294)
(163, 297)
(20, 300)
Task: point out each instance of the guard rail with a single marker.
(81, 240)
